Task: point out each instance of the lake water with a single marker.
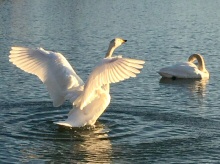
(149, 120)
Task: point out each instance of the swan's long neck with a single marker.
(110, 51)
(201, 62)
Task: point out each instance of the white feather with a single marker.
(109, 71)
(50, 67)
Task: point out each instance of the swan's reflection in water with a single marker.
(195, 86)
(89, 144)
(76, 145)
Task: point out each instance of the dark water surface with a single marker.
(149, 120)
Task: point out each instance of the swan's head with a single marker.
(117, 42)
(113, 45)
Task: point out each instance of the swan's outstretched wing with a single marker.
(181, 70)
(51, 68)
(111, 70)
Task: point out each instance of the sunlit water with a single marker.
(149, 120)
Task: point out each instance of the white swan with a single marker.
(89, 99)
(186, 69)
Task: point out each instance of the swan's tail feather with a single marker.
(63, 123)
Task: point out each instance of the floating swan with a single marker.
(186, 69)
(89, 99)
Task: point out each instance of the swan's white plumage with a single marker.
(180, 70)
(90, 100)
(111, 70)
(90, 113)
(186, 69)
(51, 68)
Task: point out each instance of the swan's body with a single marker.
(186, 69)
(89, 99)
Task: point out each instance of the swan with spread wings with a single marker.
(89, 99)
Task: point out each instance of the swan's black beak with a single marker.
(124, 41)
